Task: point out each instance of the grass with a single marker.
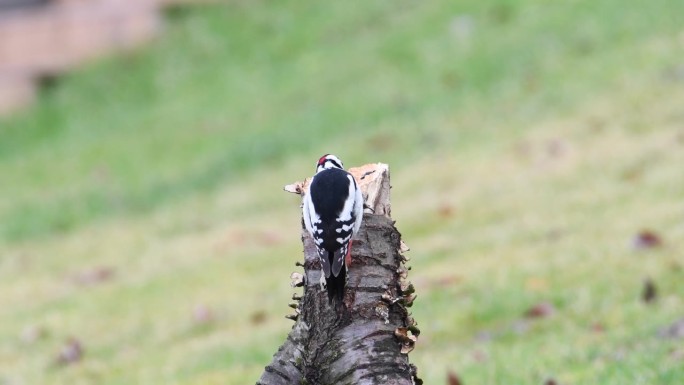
(529, 142)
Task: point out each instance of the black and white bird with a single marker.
(333, 211)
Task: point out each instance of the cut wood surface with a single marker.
(369, 341)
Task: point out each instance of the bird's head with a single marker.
(329, 161)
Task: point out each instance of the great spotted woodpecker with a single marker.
(333, 211)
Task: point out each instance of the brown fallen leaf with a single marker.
(258, 317)
(444, 281)
(598, 327)
(646, 239)
(381, 142)
(449, 280)
(649, 293)
(453, 379)
(94, 276)
(70, 353)
(445, 210)
(540, 310)
(203, 315)
(536, 284)
(269, 238)
(632, 174)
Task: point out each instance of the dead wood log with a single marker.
(368, 342)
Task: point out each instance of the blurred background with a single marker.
(536, 147)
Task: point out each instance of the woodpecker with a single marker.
(332, 212)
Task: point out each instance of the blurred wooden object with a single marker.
(43, 38)
(16, 92)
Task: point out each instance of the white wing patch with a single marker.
(311, 219)
(358, 208)
(307, 210)
(348, 207)
(344, 228)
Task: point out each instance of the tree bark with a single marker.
(368, 341)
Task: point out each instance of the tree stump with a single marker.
(368, 342)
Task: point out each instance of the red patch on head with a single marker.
(322, 159)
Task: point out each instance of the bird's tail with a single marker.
(335, 286)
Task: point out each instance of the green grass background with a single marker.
(529, 142)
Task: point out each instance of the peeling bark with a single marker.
(368, 341)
